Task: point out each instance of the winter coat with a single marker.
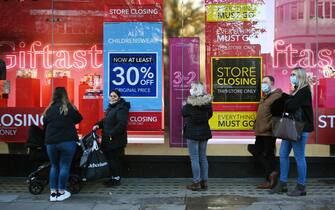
(291, 103)
(196, 113)
(302, 99)
(277, 107)
(59, 127)
(263, 124)
(114, 126)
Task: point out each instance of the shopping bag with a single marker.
(96, 166)
(286, 127)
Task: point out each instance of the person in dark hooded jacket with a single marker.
(114, 134)
(196, 112)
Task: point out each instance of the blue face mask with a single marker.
(266, 88)
(294, 80)
(192, 92)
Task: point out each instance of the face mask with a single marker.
(192, 92)
(294, 80)
(266, 88)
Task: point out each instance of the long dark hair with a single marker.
(60, 95)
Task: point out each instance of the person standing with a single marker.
(196, 112)
(265, 144)
(301, 97)
(59, 120)
(114, 135)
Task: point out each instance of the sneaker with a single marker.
(53, 197)
(63, 196)
(112, 182)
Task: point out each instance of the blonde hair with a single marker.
(302, 78)
(59, 95)
(198, 88)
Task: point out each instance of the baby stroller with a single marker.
(39, 178)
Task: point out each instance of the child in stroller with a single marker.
(39, 178)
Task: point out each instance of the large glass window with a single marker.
(152, 50)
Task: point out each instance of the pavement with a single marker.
(170, 194)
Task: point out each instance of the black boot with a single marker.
(280, 188)
(299, 190)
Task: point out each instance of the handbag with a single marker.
(287, 127)
(96, 166)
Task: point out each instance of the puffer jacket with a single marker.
(196, 112)
(263, 124)
(114, 126)
(59, 127)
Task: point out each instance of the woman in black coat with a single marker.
(196, 112)
(299, 99)
(114, 134)
(59, 120)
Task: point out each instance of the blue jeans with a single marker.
(60, 156)
(299, 155)
(199, 163)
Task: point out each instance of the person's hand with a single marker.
(95, 127)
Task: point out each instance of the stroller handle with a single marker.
(92, 134)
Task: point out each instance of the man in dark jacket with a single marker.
(114, 134)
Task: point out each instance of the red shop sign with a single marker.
(145, 121)
(15, 122)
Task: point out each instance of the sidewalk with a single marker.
(159, 194)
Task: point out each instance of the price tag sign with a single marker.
(134, 74)
(133, 60)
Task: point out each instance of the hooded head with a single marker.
(197, 89)
(198, 95)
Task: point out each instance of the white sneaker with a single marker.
(63, 196)
(53, 197)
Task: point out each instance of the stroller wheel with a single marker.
(74, 185)
(35, 187)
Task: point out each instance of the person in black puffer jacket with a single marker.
(114, 134)
(196, 112)
(59, 120)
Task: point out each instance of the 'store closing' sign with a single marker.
(236, 79)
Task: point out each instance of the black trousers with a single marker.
(114, 158)
(265, 153)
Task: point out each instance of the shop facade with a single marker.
(151, 50)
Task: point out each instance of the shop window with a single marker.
(320, 9)
(312, 9)
(287, 15)
(333, 9)
(327, 9)
(280, 15)
(294, 11)
(300, 10)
